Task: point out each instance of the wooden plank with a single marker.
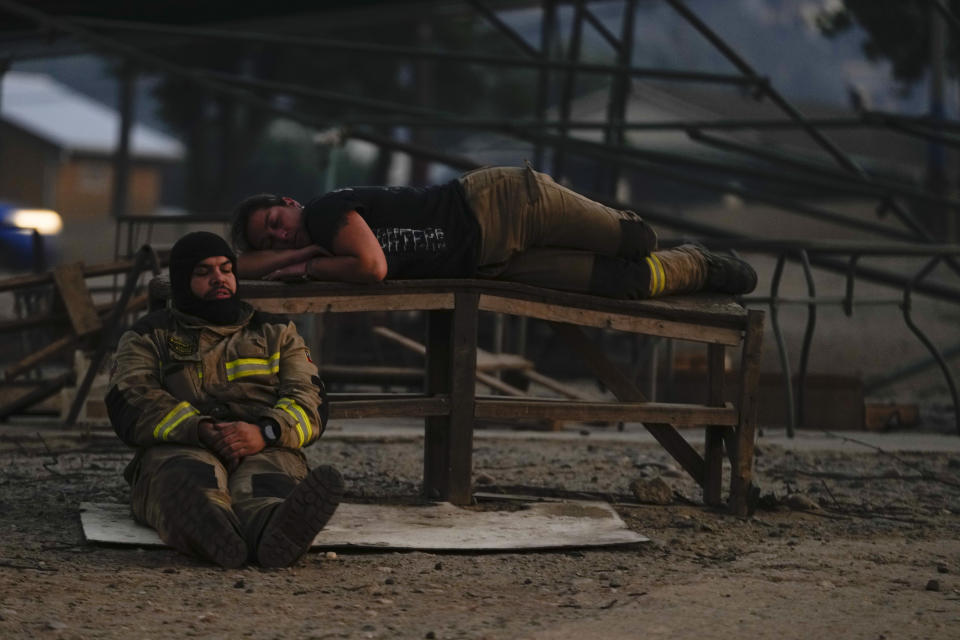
(545, 409)
(47, 319)
(555, 385)
(701, 308)
(345, 396)
(407, 343)
(35, 358)
(496, 383)
(12, 390)
(741, 476)
(463, 395)
(43, 390)
(411, 344)
(486, 361)
(421, 407)
(26, 281)
(348, 303)
(713, 438)
(649, 325)
(76, 298)
(625, 390)
(436, 441)
(371, 374)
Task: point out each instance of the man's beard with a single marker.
(224, 311)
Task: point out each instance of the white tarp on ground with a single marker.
(435, 527)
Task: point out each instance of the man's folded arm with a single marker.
(141, 410)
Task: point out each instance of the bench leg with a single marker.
(713, 446)
(451, 368)
(741, 476)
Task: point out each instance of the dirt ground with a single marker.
(852, 545)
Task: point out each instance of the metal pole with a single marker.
(617, 103)
(548, 27)
(807, 341)
(782, 345)
(121, 157)
(569, 85)
(936, 178)
(907, 308)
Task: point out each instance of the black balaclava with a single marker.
(184, 256)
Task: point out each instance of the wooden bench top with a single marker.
(707, 318)
(717, 318)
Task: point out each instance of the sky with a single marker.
(776, 37)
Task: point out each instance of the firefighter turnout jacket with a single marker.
(173, 370)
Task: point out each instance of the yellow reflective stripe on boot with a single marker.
(297, 413)
(663, 274)
(176, 415)
(657, 276)
(243, 367)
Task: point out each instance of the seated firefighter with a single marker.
(508, 223)
(219, 400)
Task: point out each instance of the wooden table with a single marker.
(450, 405)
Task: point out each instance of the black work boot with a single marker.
(727, 274)
(296, 521)
(690, 268)
(197, 524)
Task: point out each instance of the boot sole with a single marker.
(298, 519)
(205, 529)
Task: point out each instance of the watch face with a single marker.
(269, 433)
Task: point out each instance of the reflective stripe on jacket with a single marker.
(172, 370)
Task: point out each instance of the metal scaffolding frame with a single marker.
(134, 42)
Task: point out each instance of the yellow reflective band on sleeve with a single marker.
(176, 415)
(297, 413)
(243, 367)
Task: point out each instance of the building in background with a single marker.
(57, 148)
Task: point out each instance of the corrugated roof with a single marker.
(51, 111)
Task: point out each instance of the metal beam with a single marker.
(765, 88)
(877, 188)
(504, 28)
(390, 52)
(601, 28)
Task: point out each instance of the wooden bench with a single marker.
(450, 404)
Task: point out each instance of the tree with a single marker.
(897, 31)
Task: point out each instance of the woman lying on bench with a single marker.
(507, 223)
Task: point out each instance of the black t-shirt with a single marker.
(424, 232)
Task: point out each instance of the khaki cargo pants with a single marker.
(538, 232)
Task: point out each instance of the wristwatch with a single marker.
(270, 430)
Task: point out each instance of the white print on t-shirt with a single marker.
(396, 241)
